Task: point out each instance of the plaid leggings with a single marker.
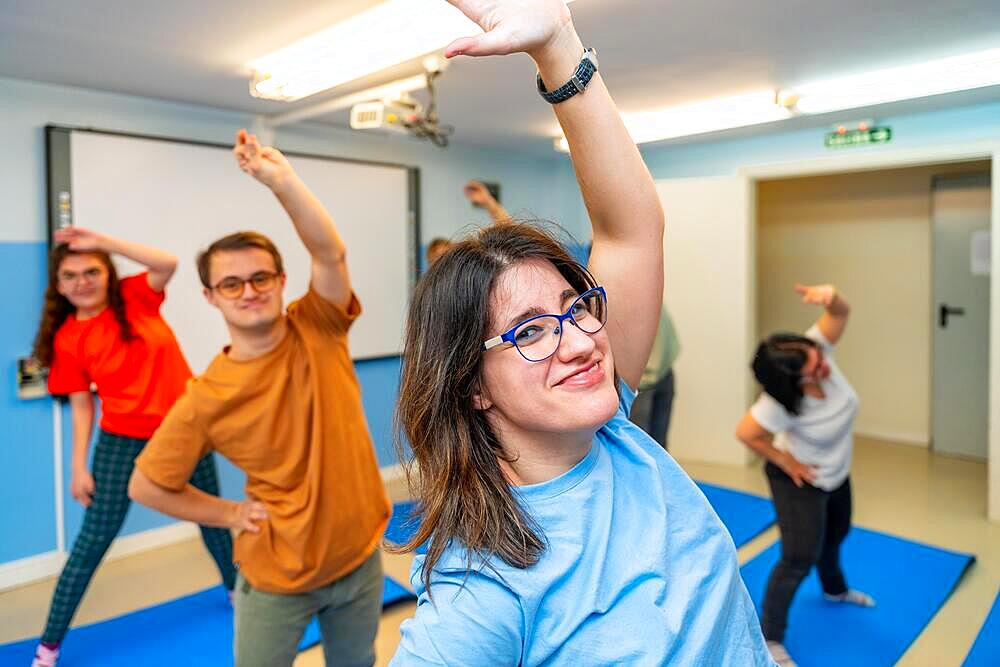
(114, 458)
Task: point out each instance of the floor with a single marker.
(899, 489)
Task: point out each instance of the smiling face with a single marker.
(83, 279)
(251, 310)
(573, 390)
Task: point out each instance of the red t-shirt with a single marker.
(137, 381)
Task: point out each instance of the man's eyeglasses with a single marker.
(537, 338)
(231, 287)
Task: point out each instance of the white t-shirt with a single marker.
(823, 434)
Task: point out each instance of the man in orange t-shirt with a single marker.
(283, 404)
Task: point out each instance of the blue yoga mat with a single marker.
(909, 582)
(744, 514)
(985, 650)
(195, 630)
(403, 525)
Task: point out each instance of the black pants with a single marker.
(813, 524)
(652, 407)
(114, 460)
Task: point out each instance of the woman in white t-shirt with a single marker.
(802, 424)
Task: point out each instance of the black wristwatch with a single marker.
(576, 84)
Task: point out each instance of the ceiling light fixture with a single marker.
(946, 75)
(701, 117)
(388, 34)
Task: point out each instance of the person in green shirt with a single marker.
(652, 407)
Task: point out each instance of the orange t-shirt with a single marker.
(293, 421)
(137, 381)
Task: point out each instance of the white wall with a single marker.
(708, 284)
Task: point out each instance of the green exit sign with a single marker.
(874, 135)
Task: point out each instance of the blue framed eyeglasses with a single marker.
(537, 338)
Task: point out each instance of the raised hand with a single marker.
(511, 26)
(817, 295)
(477, 193)
(80, 239)
(264, 163)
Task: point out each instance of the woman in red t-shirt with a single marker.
(99, 330)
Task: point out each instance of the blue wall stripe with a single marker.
(27, 504)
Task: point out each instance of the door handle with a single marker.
(945, 311)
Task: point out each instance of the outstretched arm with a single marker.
(479, 194)
(159, 263)
(625, 211)
(311, 220)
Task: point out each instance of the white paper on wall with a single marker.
(980, 254)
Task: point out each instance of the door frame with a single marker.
(874, 159)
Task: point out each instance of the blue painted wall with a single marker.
(27, 505)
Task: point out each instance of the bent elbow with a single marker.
(138, 489)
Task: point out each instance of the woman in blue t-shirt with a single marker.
(803, 426)
(558, 532)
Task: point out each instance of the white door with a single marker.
(708, 289)
(961, 309)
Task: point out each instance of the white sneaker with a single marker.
(779, 654)
(45, 656)
(852, 597)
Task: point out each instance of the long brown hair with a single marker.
(57, 307)
(455, 473)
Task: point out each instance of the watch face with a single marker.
(591, 55)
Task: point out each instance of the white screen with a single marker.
(181, 197)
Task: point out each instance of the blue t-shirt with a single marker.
(638, 570)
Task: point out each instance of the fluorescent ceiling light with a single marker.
(700, 117)
(388, 34)
(947, 75)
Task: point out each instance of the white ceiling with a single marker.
(653, 53)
